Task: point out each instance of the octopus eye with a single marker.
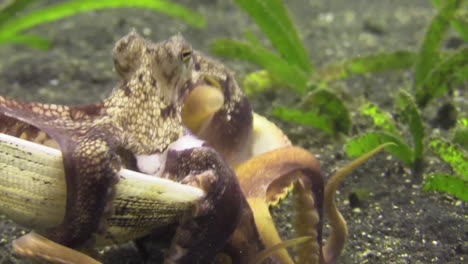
(186, 54)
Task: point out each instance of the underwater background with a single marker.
(361, 53)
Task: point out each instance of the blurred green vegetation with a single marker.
(436, 72)
(12, 25)
(453, 154)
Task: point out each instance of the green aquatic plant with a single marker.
(311, 113)
(459, 21)
(447, 183)
(280, 70)
(387, 131)
(460, 136)
(365, 64)
(272, 17)
(436, 71)
(456, 184)
(452, 154)
(12, 26)
(449, 72)
(288, 65)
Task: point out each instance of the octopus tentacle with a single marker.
(268, 174)
(337, 239)
(263, 255)
(305, 221)
(46, 124)
(48, 117)
(204, 230)
(29, 245)
(84, 214)
(91, 173)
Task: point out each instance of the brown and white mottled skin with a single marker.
(229, 129)
(139, 116)
(142, 116)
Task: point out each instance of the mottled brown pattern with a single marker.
(129, 120)
(230, 127)
(143, 116)
(169, 111)
(217, 215)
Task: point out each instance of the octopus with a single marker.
(180, 115)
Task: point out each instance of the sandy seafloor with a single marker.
(396, 223)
